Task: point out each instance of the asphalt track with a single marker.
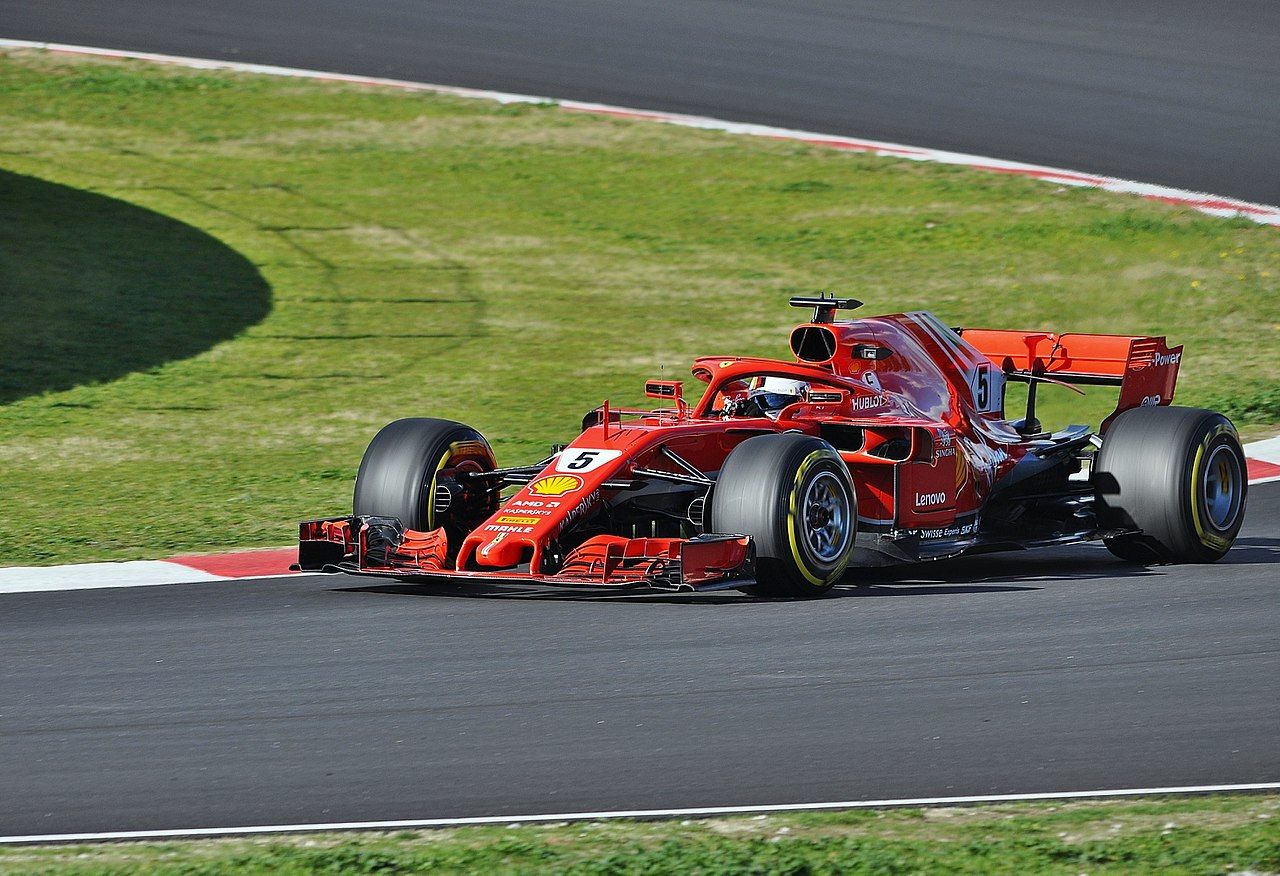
(1181, 92)
(316, 699)
(320, 699)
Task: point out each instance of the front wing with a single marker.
(381, 546)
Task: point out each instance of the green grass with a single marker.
(1171, 835)
(218, 287)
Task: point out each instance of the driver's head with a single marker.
(775, 393)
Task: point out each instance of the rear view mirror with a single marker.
(668, 390)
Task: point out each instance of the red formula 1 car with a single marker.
(884, 441)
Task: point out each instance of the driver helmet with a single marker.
(775, 393)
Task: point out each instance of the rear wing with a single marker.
(1145, 369)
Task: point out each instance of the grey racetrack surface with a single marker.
(323, 699)
(326, 699)
(1179, 92)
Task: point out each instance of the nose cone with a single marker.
(502, 550)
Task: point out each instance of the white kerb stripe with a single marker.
(630, 813)
(1267, 451)
(95, 576)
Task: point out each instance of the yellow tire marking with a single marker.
(1195, 491)
(431, 495)
(1209, 539)
(455, 449)
(796, 553)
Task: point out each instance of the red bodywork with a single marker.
(914, 408)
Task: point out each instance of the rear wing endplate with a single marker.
(1145, 369)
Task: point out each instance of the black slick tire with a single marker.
(793, 495)
(410, 460)
(1178, 475)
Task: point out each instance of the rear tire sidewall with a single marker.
(760, 492)
(1152, 474)
(403, 465)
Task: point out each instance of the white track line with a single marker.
(1214, 205)
(628, 813)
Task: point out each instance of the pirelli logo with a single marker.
(518, 521)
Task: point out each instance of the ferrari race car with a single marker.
(883, 441)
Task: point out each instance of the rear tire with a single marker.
(1177, 474)
(405, 464)
(792, 494)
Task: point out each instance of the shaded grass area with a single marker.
(505, 266)
(1218, 834)
(95, 288)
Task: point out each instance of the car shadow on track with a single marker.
(996, 573)
(1011, 572)
(1253, 551)
(719, 597)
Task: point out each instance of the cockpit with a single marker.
(760, 396)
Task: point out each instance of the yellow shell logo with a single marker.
(555, 485)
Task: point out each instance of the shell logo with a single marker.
(555, 485)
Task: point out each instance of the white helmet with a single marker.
(784, 386)
(775, 393)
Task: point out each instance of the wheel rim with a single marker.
(826, 517)
(1221, 487)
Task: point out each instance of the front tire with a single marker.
(1177, 474)
(412, 464)
(792, 494)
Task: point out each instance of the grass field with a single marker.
(1210, 835)
(218, 287)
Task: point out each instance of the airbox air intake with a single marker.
(813, 343)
